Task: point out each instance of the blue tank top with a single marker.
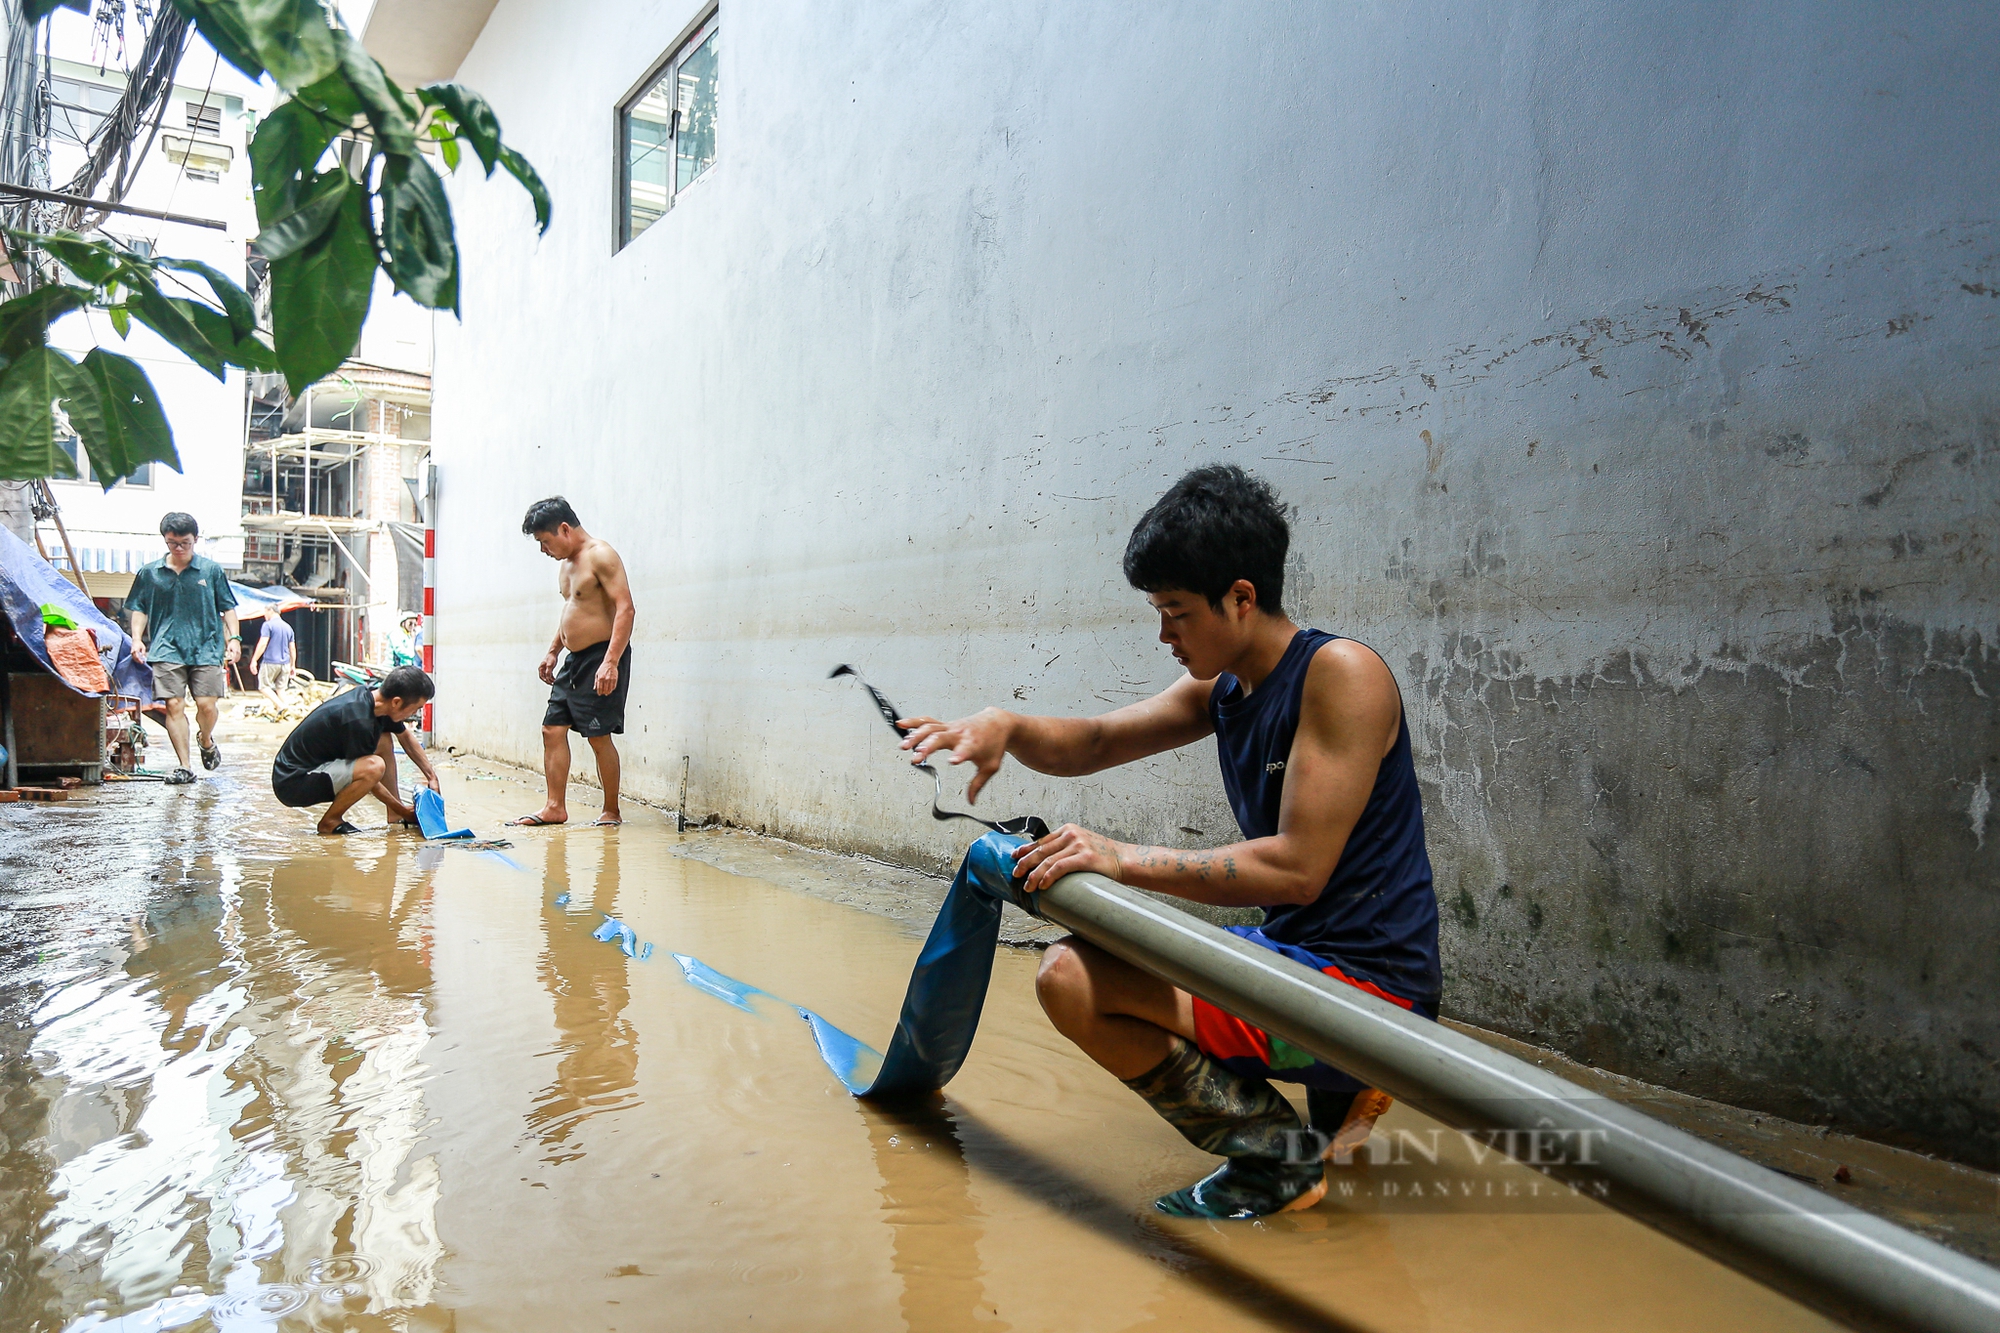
(1377, 916)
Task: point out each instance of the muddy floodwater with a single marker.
(256, 1079)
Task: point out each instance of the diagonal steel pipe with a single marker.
(1829, 1255)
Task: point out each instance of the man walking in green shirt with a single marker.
(185, 602)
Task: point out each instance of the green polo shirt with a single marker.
(183, 611)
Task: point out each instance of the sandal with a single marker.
(535, 821)
(342, 827)
(606, 821)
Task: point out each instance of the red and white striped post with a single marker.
(430, 619)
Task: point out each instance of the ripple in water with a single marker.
(271, 1301)
(340, 1268)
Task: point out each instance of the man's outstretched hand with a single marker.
(1067, 850)
(979, 740)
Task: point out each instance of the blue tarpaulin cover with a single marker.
(27, 582)
(254, 601)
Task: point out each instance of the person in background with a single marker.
(184, 627)
(406, 645)
(272, 662)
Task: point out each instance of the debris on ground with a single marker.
(302, 698)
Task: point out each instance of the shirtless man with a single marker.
(587, 692)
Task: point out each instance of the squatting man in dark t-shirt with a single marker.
(1316, 764)
(341, 752)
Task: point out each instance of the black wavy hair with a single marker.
(407, 683)
(178, 524)
(548, 515)
(1214, 526)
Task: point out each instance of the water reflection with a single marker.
(936, 1225)
(597, 1047)
(238, 1094)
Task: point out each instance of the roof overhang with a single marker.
(422, 41)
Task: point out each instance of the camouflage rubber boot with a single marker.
(1243, 1119)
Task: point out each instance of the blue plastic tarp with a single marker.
(254, 601)
(430, 817)
(27, 582)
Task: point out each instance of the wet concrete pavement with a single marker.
(258, 1079)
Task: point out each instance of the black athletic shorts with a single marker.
(575, 702)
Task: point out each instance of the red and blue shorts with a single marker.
(1255, 1053)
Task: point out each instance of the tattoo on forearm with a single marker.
(1201, 865)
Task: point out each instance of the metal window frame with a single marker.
(685, 44)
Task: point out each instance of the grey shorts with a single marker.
(317, 786)
(277, 677)
(171, 680)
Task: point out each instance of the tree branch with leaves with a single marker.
(342, 186)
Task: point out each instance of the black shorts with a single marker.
(575, 702)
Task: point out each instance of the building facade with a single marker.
(1633, 373)
(198, 166)
(333, 488)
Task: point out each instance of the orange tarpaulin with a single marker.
(73, 653)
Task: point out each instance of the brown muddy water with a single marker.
(256, 1079)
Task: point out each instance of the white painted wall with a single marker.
(1631, 367)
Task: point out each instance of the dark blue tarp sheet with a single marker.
(27, 581)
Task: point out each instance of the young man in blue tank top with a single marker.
(1316, 763)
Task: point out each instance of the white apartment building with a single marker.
(199, 167)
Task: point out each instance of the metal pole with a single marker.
(7, 723)
(1824, 1253)
(69, 551)
(430, 597)
(102, 206)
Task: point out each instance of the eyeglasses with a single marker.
(1028, 826)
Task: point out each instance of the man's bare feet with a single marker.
(548, 814)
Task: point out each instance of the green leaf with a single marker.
(517, 167)
(249, 351)
(290, 232)
(474, 115)
(28, 391)
(319, 296)
(448, 150)
(120, 419)
(168, 316)
(235, 302)
(290, 38)
(121, 320)
(25, 320)
(385, 105)
(222, 23)
(417, 233)
(92, 261)
(333, 97)
(288, 145)
(34, 11)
